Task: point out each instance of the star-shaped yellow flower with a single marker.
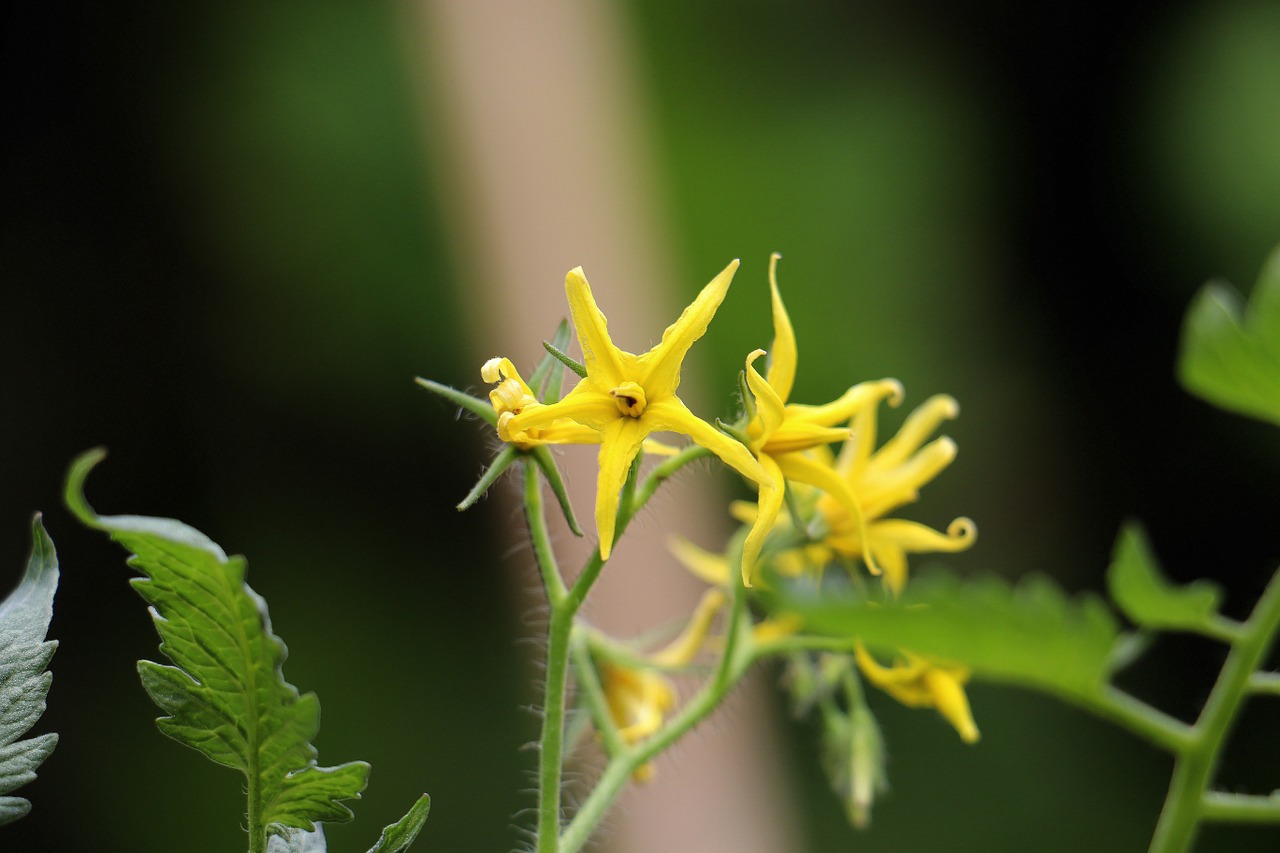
(626, 397)
(779, 432)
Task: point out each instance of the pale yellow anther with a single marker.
(630, 399)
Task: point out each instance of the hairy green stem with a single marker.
(545, 555)
(621, 767)
(565, 604)
(1189, 800)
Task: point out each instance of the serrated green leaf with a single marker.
(24, 683)
(1231, 355)
(225, 695)
(397, 837)
(1147, 598)
(1031, 634)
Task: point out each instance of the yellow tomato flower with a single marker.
(919, 683)
(511, 396)
(626, 397)
(880, 481)
(779, 432)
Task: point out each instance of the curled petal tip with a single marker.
(963, 529)
(490, 370)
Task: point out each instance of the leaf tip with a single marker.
(74, 494)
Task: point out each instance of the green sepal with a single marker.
(748, 399)
(565, 359)
(551, 471)
(1148, 599)
(226, 695)
(500, 464)
(24, 683)
(397, 837)
(544, 380)
(733, 432)
(476, 406)
(1032, 634)
(1230, 354)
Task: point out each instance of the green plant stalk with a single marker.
(565, 604)
(1189, 800)
(729, 671)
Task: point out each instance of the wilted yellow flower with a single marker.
(511, 396)
(626, 397)
(639, 697)
(919, 683)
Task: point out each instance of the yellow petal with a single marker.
(583, 404)
(794, 435)
(653, 447)
(770, 407)
(884, 490)
(712, 568)
(892, 561)
(917, 428)
(856, 452)
(619, 443)
(683, 649)
(863, 396)
(946, 690)
(599, 355)
(801, 468)
(771, 497)
(671, 414)
(660, 366)
(887, 677)
(783, 356)
(915, 538)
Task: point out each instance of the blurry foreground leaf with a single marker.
(1230, 354)
(226, 696)
(1031, 634)
(24, 684)
(1148, 598)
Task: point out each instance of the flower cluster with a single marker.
(825, 497)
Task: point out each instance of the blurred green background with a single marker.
(225, 256)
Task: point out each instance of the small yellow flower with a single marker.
(626, 397)
(919, 683)
(781, 432)
(511, 396)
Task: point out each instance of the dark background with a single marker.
(224, 260)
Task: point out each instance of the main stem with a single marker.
(1184, 806)
(565, 603)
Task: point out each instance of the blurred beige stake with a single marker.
(536, 108)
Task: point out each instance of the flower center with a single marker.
(630, 399)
